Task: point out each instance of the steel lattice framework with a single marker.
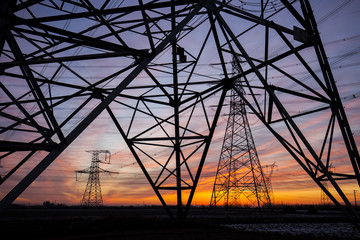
(239, 172)
(92, 196)
(164, 55)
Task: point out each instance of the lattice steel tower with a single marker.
(59, 72)
(92, 195)
(239, 170)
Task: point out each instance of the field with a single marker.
(152, 223)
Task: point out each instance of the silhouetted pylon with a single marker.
(239, 171)
(92, 195)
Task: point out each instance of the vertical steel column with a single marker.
(176, 105)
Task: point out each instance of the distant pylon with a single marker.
(324, 198)
(92, 195)
(239, 171)
(268, 175)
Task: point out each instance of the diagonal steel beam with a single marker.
(40, 98)
(207, 146)
(128, 9)
(67, 36)
(336, 105)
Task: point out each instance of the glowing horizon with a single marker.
(290, 184)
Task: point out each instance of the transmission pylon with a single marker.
(58, 74)
(268, 175)
(92, 195)
(324, 198)
(239, 171)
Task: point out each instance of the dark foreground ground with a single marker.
(153, 223)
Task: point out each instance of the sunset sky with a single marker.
(338, 25)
